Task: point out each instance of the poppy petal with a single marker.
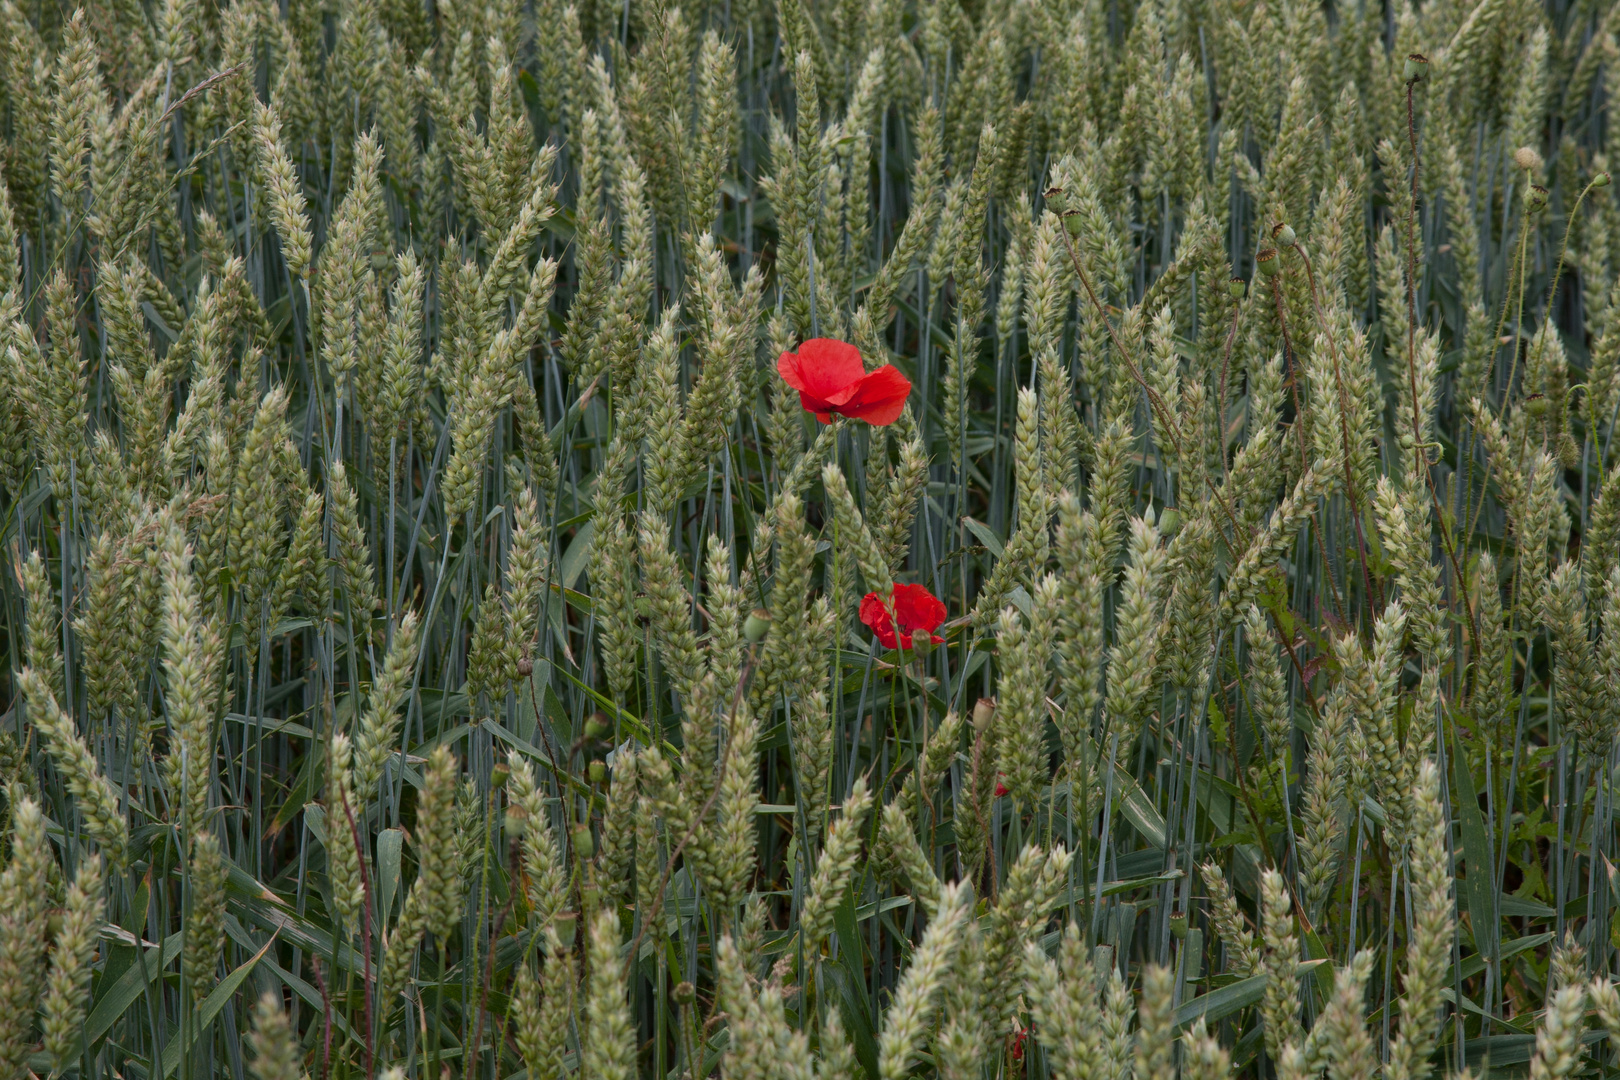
(876, 618)
(880, 397)
(829, 370)
(918, 609)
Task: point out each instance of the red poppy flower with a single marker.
(915, 607)
(1019, 1037)
(1001, 789)
(830, 378)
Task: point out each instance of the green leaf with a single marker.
(1223, 1002)
(209, 1009)
(118, 997)
(1476, 855)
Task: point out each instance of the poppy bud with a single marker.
(1535, 198)
(1417, 68)
(1569, 455)
(597, 771)
(1602, 179)
(1283, 234)
(498, 775)
(1073, 222)
(1169, 522)
(583, 842)
(525, 667)
(1178, 925)
(1236, 288)
(598, 727)
(685, 993)
(757, 625)
(1267, 262)
(1526, 158)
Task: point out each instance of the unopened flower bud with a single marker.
(1283, 234)
(757, 625)
(1416, 69)
(584, 843)
(1267, 262)
(1169, 522)
(1236, 288)
(685, 993)
(598, 726)
(1526, 158)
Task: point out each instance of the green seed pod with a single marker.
(1236, 288)
(1416, 69)
(1602, 180)
(584, 843)
(1535, 199)
(1057, 200)
(1537, 405)
(597, 771)
(1267, 262)
(1283, 234)
(598, 726)
(1178, 925)
(757, 625)
(498, 776)
(685, 993)
(1073, 222)
(1169, 522)
(922, 642)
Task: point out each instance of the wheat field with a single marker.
(815, 540)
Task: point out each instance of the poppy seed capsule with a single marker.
(757, 625)
(1169, 522)
(597, 727)
(1236, 288)
(984, 711)
(1417, 68)
(597, 771)
(922, 642)
(1535, 198)
(1072, 222)
(1602, 179)
(498, 775)
(583, 841)
(1057, 200)
(1178, 925)
(1267, 262)
(1536, 406)
(525, 667)
(1283, 234)
(685, 993)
